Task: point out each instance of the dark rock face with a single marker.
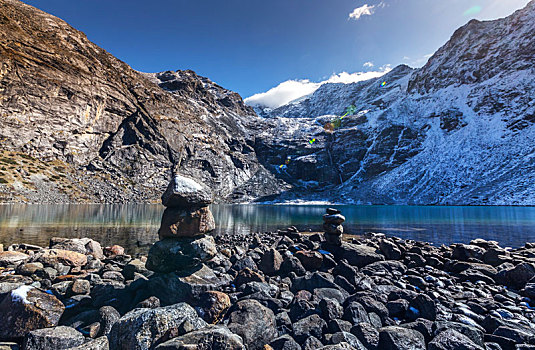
(254, 323)
(125, 130)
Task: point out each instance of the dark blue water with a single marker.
(135, 226)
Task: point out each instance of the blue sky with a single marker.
(251, 46)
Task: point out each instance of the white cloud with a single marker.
(364, 10)
(368, 64)
(293, 89)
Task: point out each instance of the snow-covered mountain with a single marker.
(459, 130)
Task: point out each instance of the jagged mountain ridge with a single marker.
(77, 124)
(459, 130)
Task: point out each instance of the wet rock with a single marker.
(12, 258)
(26, 309)
(213, 306)
(271, 262)
(311, 260)
(254, 322)
(142, 328)
(174, 255)
(399, 338)
(311, 325)
(450, 339)
(65, 257)
(180, 222)
(84, 246)
(212, 337)
(183, 191)
(60, 337)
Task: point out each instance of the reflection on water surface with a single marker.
(135, 226)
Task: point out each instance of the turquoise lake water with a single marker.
(135, 226)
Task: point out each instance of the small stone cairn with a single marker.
(183, 243)
(332, 225)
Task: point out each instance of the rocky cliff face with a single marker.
(77, 124)
(459, 130)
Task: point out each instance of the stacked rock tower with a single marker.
(185, 222)
(332, 224)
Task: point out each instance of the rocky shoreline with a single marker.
(279, 290)
(284, 290)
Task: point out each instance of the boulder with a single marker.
(107, 317)
(12, 258)
(311, 325)
(465, 252)
(213, 305)
(26, 309)
(334, 219)
(348, 338)
(189, 222)
(311, 260)
(399, 338)
(183, 191)
(65, 257)
(28, 269)
(170, 254)
(212, 337)
(140, 329)
(367, 334)
(84, 246)
(284, 342)
(61, 337)
(518, 276)
(450, 339)
(254, 322)
(186, 285)
(358, 255)
(270, 262)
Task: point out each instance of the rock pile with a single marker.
(185, 222)
(332, 224)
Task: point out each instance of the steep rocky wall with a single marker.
(64, 98)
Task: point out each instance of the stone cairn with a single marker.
(183, 243)
(332, 225)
